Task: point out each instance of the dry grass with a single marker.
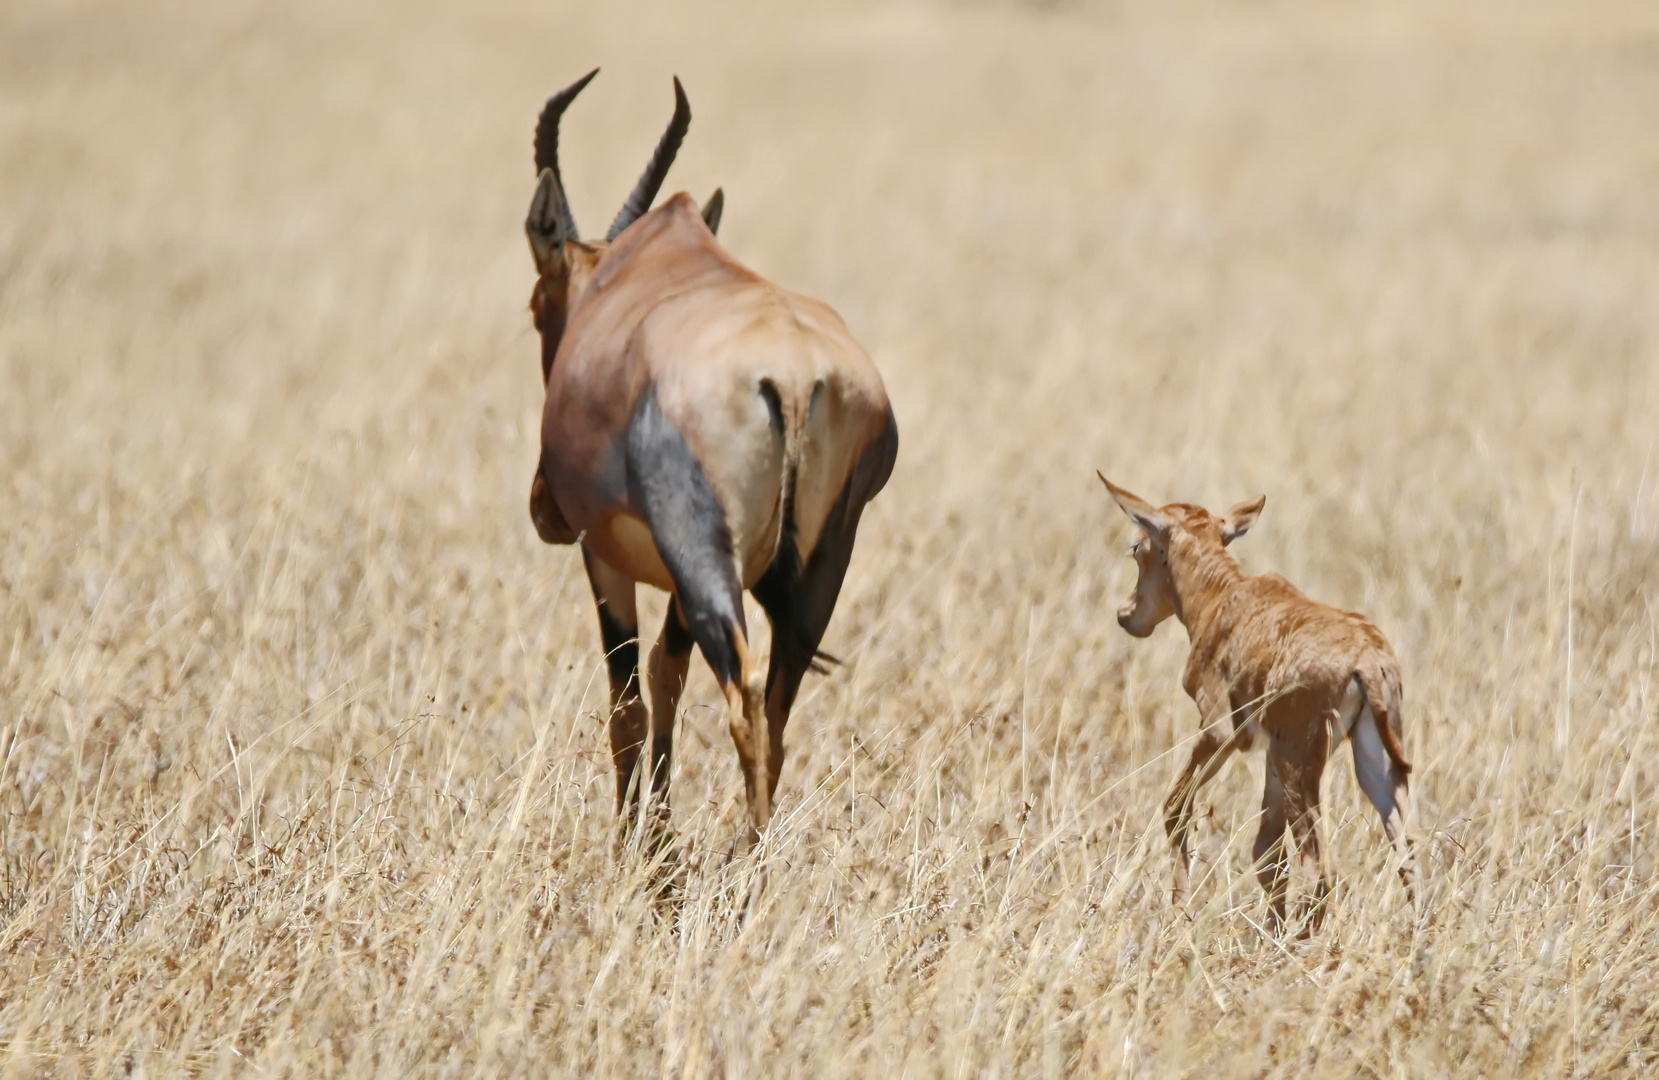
(302, 761)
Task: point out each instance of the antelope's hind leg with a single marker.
(799, 613)
(799, 599)
(688, 525)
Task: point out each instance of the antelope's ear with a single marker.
(1152, 521)
(1240, 518)
(713, 209)
(545, 226)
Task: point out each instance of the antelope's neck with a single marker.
(1202, 578)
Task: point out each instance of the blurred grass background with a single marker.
(302, 752)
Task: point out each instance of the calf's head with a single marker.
(564, 261)
(1174, 539)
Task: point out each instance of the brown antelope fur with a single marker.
(704, 432)
(1268, 663)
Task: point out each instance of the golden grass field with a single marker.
(303, 766)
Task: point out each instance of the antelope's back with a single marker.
(1286, 639)
(669, 311)
(774, 396)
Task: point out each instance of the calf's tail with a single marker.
(1381, 688)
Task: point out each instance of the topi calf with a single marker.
(1267, 662)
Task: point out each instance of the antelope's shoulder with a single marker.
(662, 254)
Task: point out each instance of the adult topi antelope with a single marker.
(1267, 662)
(705, 432)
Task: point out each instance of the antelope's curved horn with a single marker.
(547, 141)
(649, 182)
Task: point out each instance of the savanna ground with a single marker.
(302, 757)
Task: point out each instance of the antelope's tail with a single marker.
(788, 422)
(1381, 687)
(789, 417)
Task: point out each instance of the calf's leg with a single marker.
(1272, 864)
(1209, 754)
(1302, 806)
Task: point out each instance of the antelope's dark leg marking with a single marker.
(676, 635)
(670, 659)
(613, 596)
(621, 655)
(799, 600)
(666, 482)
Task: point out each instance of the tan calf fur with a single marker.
(1268, 663)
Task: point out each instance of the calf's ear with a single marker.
(1240, 518)
(1152, 521)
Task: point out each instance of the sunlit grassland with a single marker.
(303, 766)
